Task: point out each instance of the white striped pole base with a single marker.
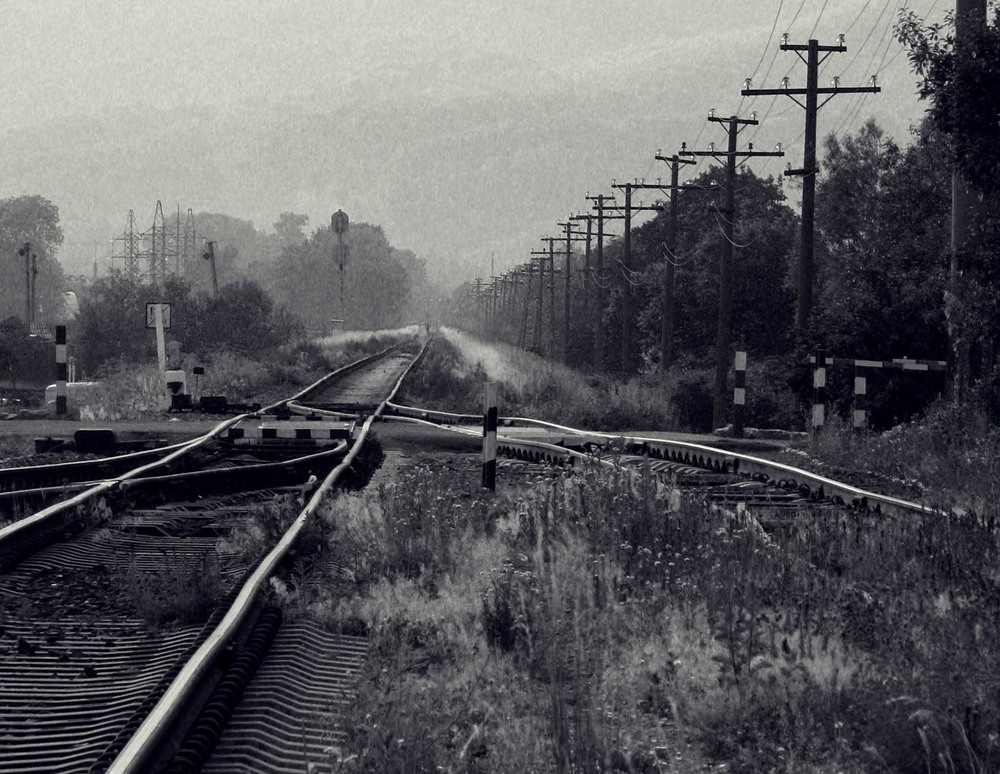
(490, 438)
(819, 391)
(61, 369)
(739, 392)
(860, 399)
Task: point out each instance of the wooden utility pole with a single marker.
(628, 307)
(966, 201)
(723, 335)
(537, 338)
(522, 340)
(601, 203)
(667, 301)
(571, 236)
(809, 170)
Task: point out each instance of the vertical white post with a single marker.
(161, 344)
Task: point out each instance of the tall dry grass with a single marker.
(594, 622)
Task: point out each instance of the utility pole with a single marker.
(588, 305)
(966, 204)
(537, 338)
(552, 295)
(723, 336)
(600, 204)
(667, 303)
(628, 308)
(809, 170)
(522, 340)
(571, 236)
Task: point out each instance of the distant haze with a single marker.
(464, 129)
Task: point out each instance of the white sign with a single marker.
(151, 314)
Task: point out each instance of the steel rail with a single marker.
(710, 457)
(58, 514)
(141, 752)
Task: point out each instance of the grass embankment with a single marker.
(600, 621)
(135, 391)
(454, 371)
(948, 459)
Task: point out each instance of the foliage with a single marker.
(14, 348)
(961, 79)
(454, 371)
(31, 219)
(111, 324)
(615, 609)
(381, 282)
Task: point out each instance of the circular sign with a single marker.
(339, 222)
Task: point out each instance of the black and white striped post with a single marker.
(490, 438)
(819, 391)
(860, 398)
(739, 392)
(61, 370)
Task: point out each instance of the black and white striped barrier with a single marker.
(61, 369)
(739, 392)
(289, 430)
(490, 415)
(860, 414)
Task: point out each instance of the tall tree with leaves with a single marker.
(959, 67)
(31, 219)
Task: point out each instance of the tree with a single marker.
(13, 347)
(962, 83)
(882, 219)
(380, 281)
(288, 230)
(31, 219)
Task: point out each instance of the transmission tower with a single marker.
(127, 248)
(161, 248)
(188, 244)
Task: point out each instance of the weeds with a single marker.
(591, 622)
(180, 589)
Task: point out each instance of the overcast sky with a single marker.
(67, 61)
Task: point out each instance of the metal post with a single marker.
(61, 370)
(739, 392)
(490, 438)
(819, 391)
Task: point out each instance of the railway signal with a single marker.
(209, 255)
(339, 223)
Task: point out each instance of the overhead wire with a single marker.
(763, 53)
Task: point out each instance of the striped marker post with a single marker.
(490, 438)
(860, 398)
(739, 392)
(61, 371)
(819, 391)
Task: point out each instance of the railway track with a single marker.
(88, 686)
(723, 475)
(86, 683)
